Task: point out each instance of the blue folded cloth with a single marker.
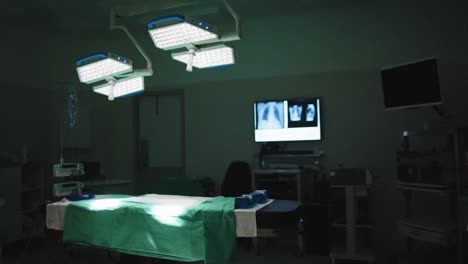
(250, 200)
(80, 196)
(260, 196)
(244, 202)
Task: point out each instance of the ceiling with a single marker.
(52, 16)
(94, 14)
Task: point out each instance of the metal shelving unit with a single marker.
(441, 236)
(428, 178)
(353, 249)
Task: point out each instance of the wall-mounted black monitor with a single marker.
(287, 120)
(411, 85)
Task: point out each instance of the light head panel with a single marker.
(122, 88)
(213, 56)
(99, 66)
(176, 31)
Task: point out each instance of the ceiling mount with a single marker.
(202, 41)
(168, 33)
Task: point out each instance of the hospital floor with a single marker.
(41, 252)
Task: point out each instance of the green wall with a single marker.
(25, 121)
(34, 118)
(112, 134)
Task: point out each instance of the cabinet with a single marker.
(280, 183)
(23, 188)
(352, 228)
(428, 178)
(289, 176)
(33, 190)
(429, 223)
(461, 139)
(297, 176)
(10, 187)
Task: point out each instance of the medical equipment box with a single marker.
(67, 169)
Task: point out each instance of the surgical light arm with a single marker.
(236, 35)
(125, 11)
(149, 65)
(135, 73)
(133, 10)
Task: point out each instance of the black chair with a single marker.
(238, 179)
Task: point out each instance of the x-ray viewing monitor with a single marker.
(287, 120)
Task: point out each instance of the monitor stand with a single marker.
(444, 121)
(269, 148)
(440, 111)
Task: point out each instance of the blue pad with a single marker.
(244, 202)
(81, 196)
(260, 196)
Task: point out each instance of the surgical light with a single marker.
(100, 66)
(214, 56)
(177, 31)
(121, 88)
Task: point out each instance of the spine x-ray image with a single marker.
(270, 115)
(302, 113)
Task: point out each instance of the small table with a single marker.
(280, 214)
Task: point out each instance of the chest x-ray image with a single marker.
(310, 116)
(302, 113)
(270, 115)
(295, 113)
